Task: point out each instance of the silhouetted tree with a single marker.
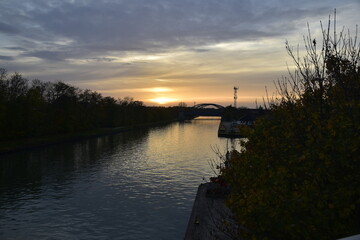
(44, 108)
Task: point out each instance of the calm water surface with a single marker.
(134, 185)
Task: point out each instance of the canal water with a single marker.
(133, 185)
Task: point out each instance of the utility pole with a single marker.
(235, 95)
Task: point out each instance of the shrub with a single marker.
(299, 175)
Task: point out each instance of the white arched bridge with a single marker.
(203, 109)
(206, 105)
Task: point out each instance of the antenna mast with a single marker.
(235, 95)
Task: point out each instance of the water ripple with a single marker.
(135, 185)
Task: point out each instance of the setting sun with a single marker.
(162, 100)
(160, 89)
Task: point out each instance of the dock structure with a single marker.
(210, 218)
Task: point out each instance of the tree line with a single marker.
(36, 108)
(298, 176)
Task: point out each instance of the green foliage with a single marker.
(299, 175)
(35, 109)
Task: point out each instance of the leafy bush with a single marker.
(299, 175)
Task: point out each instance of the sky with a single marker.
(163, 51)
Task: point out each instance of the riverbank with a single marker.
(32, 143)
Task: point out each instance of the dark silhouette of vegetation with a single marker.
(299, 175)
(35, 109)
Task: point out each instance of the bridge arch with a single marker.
(204, 105)
(201, 110)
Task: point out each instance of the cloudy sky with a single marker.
(161, 51)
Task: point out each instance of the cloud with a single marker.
(16, 48)
(6, 58)
(102, 59)
(46, 55)
(105, 26)
(7, 28)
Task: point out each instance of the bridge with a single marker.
(247, 115)
(203, 109)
